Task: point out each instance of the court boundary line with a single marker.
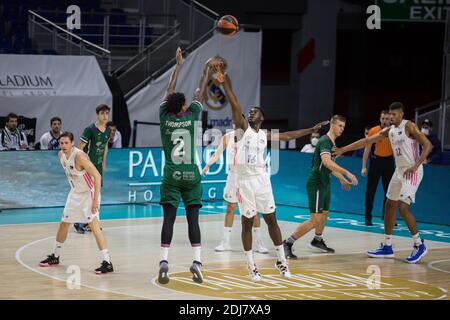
(21, 262)
(430, 265)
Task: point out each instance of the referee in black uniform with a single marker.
(381, 165)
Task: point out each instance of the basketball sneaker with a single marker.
(196, 270)
(418, 253)
(104, 268)
(320, 245)
(384, 251)
(223, 246)
(79, 227)
(163, 276)
(254, 273)
(283, 268)
(260, 247)
(50, 261)
(288, 252)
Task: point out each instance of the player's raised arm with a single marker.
(199, 93)
(222, 146)
(85, 164)
(236, 110)
(412, 130)
(174, 77)
(289, 135)
(362, 142)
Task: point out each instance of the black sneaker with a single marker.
(320, 245)
(288, 251)
(50, 261)
(196, 270)
(104, 268)
(163, 276)
(79, 227)
(369, 223)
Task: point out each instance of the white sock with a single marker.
(226, 234)
(318, 236)
(387, 240)
(197, 253)
(250, 260)
(257, 233)
(105, 255)
(280, 254)
(57, 248)
(164, 253)
(417, 240)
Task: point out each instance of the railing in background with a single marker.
(67, 42)
(114, 30)
(437, 112)
(195, 25)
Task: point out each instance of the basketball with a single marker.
(228, 25)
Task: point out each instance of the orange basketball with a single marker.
(228, 25)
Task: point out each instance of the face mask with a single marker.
(314, 141)
(425, 131)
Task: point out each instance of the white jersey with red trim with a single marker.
(406, 150)
(232, 150)
(250, 159)
(80, 181)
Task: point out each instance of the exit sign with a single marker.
(414, 10)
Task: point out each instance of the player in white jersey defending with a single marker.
(254, 190)
(82, 203)
(405, 138)
(229, 143)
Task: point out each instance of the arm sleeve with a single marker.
(196, 107)
(86, 136)
(325, 147)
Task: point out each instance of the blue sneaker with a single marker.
(418, 253)
(384, 251)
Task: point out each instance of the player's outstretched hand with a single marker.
(337, 152)
(346, 185)
(205, 170)
(319, 126)
(179, 56)
(352, 178)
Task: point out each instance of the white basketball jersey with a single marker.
(231, 151)
(406, 150)
(80, 181)
(250, 153)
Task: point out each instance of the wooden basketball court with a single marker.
(134, 248)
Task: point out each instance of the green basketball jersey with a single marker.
(178, 134)
(318, 171)
(96, 142)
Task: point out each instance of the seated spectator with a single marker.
(436, 154)
(115, 139)
(360, 152)
(50, 139)
(11, 138)
(311, 147)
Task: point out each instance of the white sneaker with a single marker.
(223, 246)
(254, 273)
(260, 247)
(283, 269)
